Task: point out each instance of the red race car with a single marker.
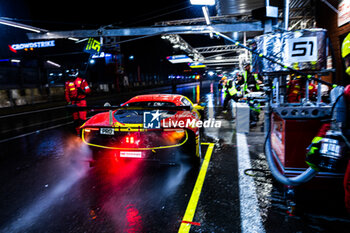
(159, 127)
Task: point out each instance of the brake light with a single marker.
(130, 140)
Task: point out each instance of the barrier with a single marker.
(242, 112)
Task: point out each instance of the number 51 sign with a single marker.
(302, 49)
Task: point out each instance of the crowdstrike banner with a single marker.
(39, 44)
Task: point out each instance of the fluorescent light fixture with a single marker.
(79, 41)
(53, 63)
(72, 38)
(22, 26)
(15, 60)
(218, 58)
(203, 2)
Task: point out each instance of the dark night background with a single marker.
(70, 15)
(149, 53)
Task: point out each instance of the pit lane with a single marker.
(47, 185)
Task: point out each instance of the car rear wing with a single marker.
(76, 108)
(110, 109)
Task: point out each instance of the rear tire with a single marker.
(199, 158)
(192, 149)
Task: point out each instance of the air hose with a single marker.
(338, 116)
(292, 181)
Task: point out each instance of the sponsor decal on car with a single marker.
(210, 123)
(152, 120)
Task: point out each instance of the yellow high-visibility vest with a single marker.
(256, 77)
(245, 76)
(232, 90)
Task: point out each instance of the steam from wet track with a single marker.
(74, 169)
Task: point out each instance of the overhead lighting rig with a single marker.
(178, 42)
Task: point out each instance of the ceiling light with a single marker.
(21, 26)
(203, 2)
(53, 63)
(72, 38)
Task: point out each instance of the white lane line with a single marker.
(250, 215)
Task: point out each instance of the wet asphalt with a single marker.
(46, 184)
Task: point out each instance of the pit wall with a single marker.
(29, 96)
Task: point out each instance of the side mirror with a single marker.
(199, 107)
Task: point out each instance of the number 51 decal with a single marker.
(303, 49)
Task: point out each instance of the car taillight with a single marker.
(130, 140)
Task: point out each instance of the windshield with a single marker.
(136, 116)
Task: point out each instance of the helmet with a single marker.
(72, 73)
(345, 53)
(245, 64)
(236, 73)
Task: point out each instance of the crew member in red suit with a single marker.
(76, 89)
(341, 124)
